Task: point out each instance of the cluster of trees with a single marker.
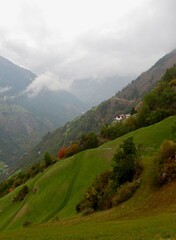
(118, 129)
(116, 185)
(156, 105)
(161, 102)
(20, 178)
(87, 141)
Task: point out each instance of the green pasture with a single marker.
(54, 194)
(160, 227)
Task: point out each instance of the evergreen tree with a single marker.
(124, 163)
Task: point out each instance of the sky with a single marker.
(63, 40)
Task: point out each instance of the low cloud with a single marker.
(129, 45)
(4, 89)
(46, 81)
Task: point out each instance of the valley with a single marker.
(43, 201)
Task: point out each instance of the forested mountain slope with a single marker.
(24, 119)
(147, 80)
(104, 113)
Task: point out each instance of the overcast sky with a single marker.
(67, 39)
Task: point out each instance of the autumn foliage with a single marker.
(68, 151)
(61, 153)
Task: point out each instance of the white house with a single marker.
(120, 117)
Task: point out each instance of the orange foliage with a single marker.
(61, 153)
(69, 151)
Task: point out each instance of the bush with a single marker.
(47, 160)
(22, 194)
(26, 223)
(166, 173)
(89, 140)
(166, 163)
(125, 192)
(87, 211)
(168, 150)
(96, 196)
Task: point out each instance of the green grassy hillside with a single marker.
(149, 214)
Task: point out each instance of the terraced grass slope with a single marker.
(149, 214)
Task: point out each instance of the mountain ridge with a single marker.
(148, 79)
(33, 117)
(105, 112)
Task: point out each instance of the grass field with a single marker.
(149, 214)
(142, 228)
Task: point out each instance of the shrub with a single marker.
(22, 193)
(89, 140)
(87, 211)
(96, 197)
(125, 192)
(47, 159)
(168, 149)
(61, 153)
(166, 163)
(26, 223)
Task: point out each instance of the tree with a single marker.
(47, 159)
(124, 163)
(170, 74)
(72, 150)
(89, 140)
(61, 153)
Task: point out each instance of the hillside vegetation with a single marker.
(54, 194)
(94, 119)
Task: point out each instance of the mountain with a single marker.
(13, 79)
(148, 80)
(19, 132)
(94, 91)
(105, 112)
(24, 120)
(54, 108)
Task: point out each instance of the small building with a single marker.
(120, 117)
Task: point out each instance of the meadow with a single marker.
(51, 208)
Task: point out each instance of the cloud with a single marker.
(46, 81)
(4, 89)
(62, 44)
